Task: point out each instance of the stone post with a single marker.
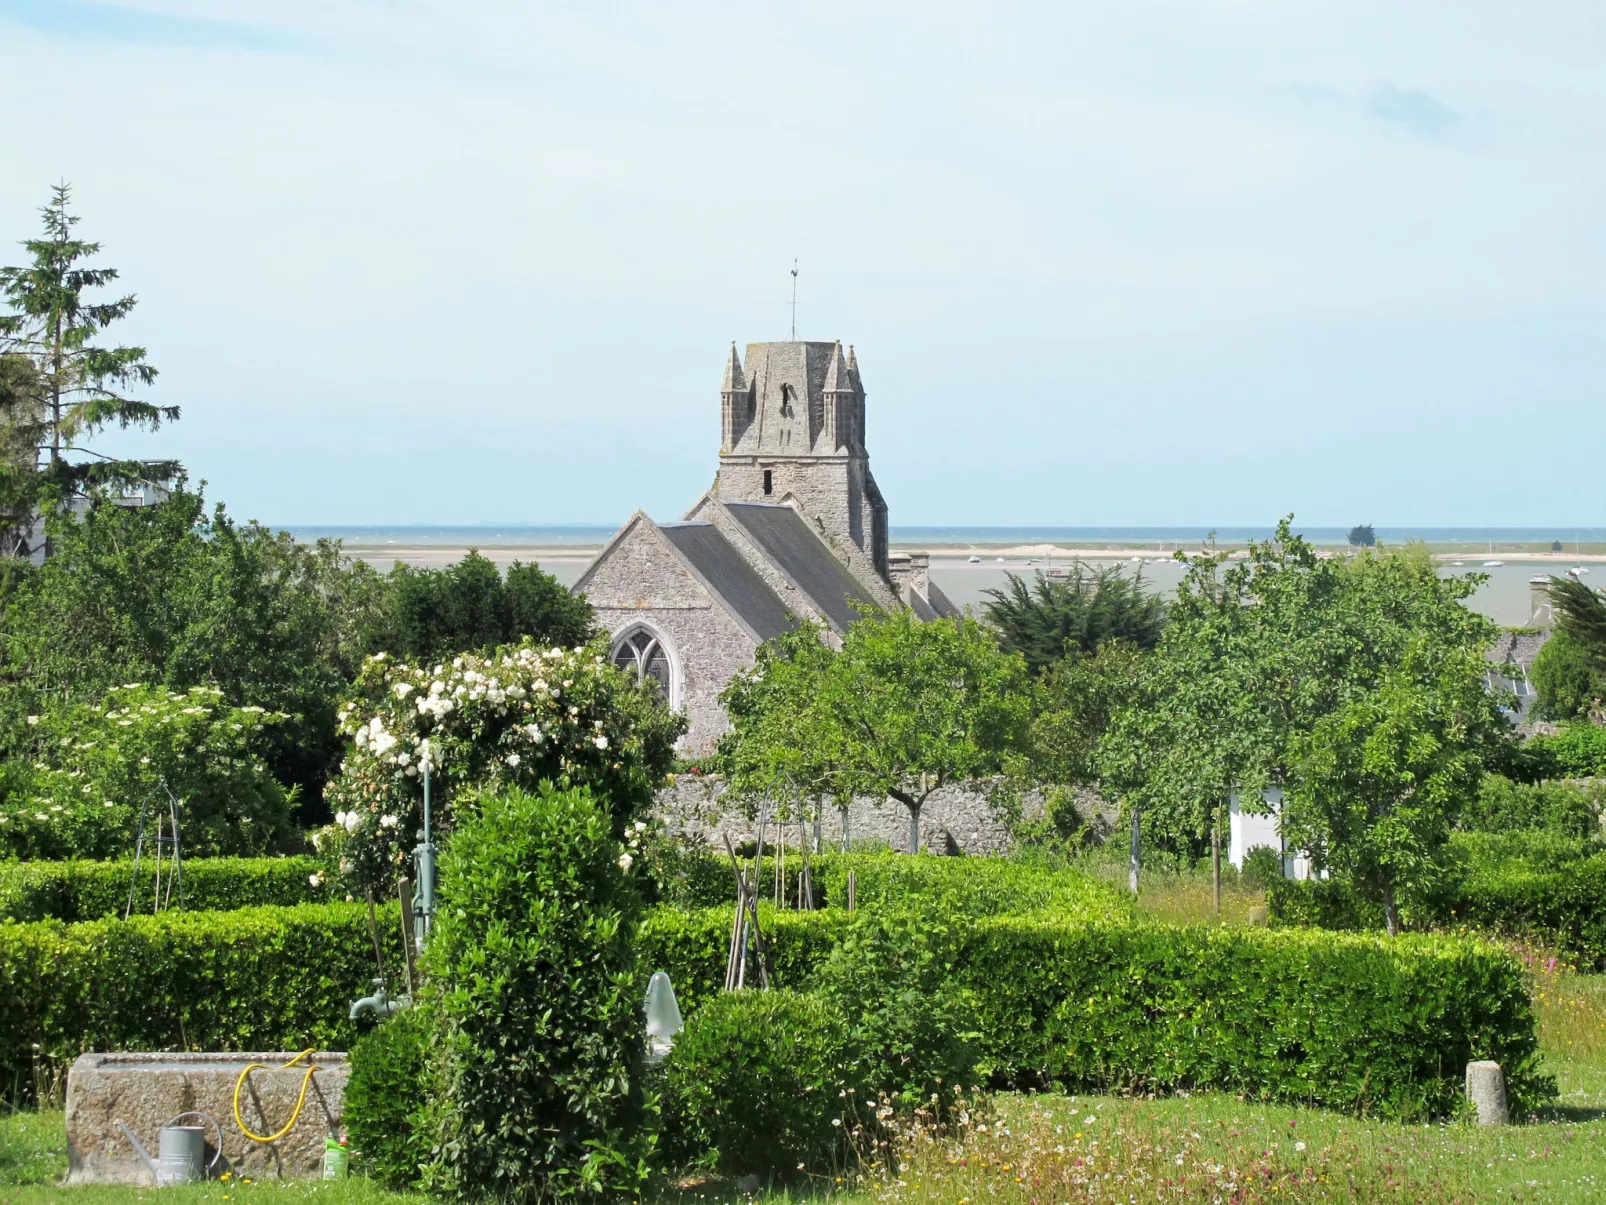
(1486, 1089)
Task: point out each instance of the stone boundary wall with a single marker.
(959, 819)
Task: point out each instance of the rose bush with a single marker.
(521, 716)
(96, 766)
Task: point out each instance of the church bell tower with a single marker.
(792, 426)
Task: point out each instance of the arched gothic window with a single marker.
(641, 655)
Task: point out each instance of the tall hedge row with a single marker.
(253, 979)
(78, 891)
(964, 886)
(1348, 1021)
(1548, 888)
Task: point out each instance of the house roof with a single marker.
(783, 536)
(727, 574)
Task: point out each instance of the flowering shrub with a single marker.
(97, 765)
(516, 718)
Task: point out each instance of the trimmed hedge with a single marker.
(1536, 885)
(80, 891)
(1364, 1023)
(962, 886)
(253, 979)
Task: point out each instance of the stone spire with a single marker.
(853, 369)
(837, 377)
(734, 382)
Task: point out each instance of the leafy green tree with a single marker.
(781, 740)
(1362, 536)
(1567, 678)
(431, 614)
(175, 595)
(1081, 612)
(1257, 653)
(917, 706)
(82, 385)
(1376, 784)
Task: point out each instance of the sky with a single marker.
(1193, 262)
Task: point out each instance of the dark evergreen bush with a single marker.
(532, 969)
(756, 1082)
(387, 1099)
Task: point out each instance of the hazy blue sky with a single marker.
(1201, 261)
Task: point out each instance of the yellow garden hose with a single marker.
(300, 1100)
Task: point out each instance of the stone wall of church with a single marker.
(820, 485)
(643, 582)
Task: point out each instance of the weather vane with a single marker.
(794, 301)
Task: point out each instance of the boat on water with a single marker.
(1492, 564)
(1578, 569)
(975, 560)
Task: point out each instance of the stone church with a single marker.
(793, 527)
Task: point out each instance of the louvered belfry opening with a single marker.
(641, 655)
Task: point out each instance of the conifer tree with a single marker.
(79, 386)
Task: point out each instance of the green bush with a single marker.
(967, 886)
(1565, 678)
(78, 891)
(1570, 808)
(254, 979)
(1577, 751)
(386, 1110)
(99, 766)
(532, 968)
(1263, 866)
(1357, 1022)
(692, 946)
(756, 1080)
(911, 1027)
(1538, 885)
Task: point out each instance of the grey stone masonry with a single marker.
(145, 1091)
(793, 424)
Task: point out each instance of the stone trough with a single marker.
(145, 1090)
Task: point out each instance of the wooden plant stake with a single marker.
(805, 886)
(747, 902)
(404, 888)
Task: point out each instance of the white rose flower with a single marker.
(388, 821)
(402, 689)
(352, 821)
(625, 861)
(513, 760)
(600, 742)
(32, 720)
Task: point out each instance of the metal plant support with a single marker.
(160, 842)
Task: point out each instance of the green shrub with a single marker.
(1569, 808)
(1539, 885)
(254, 979)
(1263, 866)
(911, 1028)
(756, 1080)
(1577, 751)
(969, 886)
(1565, 679)
(77, 891)
(692, 947)
(386, 1110)
(99, 766)
(532, 968)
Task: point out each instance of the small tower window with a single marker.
(642, 657)
(769, 482)
(786, 401)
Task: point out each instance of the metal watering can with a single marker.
(180, 1151)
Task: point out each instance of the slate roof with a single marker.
(728, 575)
(941, 603)
(813, 568)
